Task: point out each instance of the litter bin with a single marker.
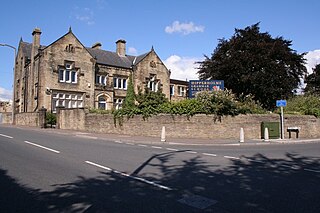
(273, 127)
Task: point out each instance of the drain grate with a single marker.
(197, 201)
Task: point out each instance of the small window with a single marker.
(172, 90)
(97, 79)
(124, 82)
(61, 76)
(67, 75)
(73, 77)
(119, 83)
(115, 82)
(102, 104)
(68, 66)
(181, 91)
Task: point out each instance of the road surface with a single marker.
(43, 171)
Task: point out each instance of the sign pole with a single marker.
(282, 123)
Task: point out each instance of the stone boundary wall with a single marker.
(6, 117)
(198, 126)
(27, 119)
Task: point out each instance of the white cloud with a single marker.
(184, 28)
(182, 68)
(132, 51)
(5, 95)
(313, 58)
(84, 15)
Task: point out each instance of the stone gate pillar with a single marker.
(42, 117)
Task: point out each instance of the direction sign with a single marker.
(281, 103)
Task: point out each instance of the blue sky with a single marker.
(181, 32)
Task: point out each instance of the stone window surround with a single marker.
(68, 73)
(101, 79)
(153, 83)
(67, 99)
(120, 82)
(106, 100)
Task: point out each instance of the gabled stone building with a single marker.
(66, 73)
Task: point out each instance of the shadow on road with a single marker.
(251, 184)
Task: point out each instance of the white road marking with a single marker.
(142, 145)
(157, 147)
(230, 157)
(170, 149)
(209, 154)
(129, 176)
(97, 165)
(118, 141)
(130, 143)
(43, 147)
(311, 170)
(6, 136)
(191, 152)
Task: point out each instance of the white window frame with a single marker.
(117, 103)
(153, 84)
(67, 100)
(67, 74)
(181, 91)
(101, 80)
(102, 102)
(120, 83)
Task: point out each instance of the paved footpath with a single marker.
(172, 141)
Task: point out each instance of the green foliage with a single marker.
(218, 103)
(99, 111)
(129, 101)
(150, 99)
(313, 81)
(303, 105)
(51, 118)
(251, 62)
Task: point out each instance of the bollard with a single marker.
(241, 135)
(163, 134)
(266, 134)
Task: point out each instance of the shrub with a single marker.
(51, 119)
(304, 105)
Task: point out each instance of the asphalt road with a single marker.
(53, 172)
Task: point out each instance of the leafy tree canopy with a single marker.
(251, 62)
(313, 81)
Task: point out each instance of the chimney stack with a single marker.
(35, 42)
(121, 47)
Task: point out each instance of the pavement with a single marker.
(171, 141)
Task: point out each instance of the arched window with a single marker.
(102, 102)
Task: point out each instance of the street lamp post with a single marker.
(13, 90)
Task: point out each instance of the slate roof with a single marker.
(102, 56)
(113, 59)
(27, 47)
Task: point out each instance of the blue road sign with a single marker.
(281, 103)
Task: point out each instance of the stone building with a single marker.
(178, 90)
(66, 73)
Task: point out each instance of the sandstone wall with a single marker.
(27, 119)
(198, 126)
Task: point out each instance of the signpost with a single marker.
(281, 104)
(204, 85)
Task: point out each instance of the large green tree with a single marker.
(252, 62)
(313, 81)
